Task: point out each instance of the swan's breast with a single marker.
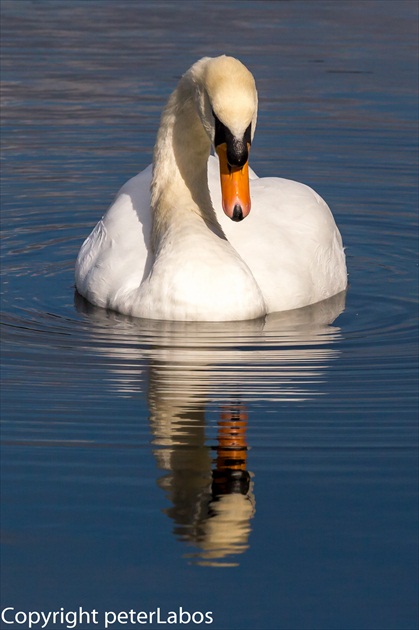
(198, 276)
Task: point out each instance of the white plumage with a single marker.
(173, 254)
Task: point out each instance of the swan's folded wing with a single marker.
(289, 241)
(115, 256)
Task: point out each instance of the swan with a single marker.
(200, 237)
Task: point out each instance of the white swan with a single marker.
(175, 255)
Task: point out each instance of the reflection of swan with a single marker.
(194, 369)
(183, 259)
(211, 501)
(227, 529)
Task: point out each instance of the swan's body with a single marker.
(172, 253)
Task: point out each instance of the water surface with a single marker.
(265, 471)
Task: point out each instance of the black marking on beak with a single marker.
(237, 153)
(237, 148)
(237, 213)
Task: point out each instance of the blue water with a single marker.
(264, 472)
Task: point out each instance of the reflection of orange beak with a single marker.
(232, 444)
(235, 189)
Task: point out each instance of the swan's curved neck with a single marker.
(180, 184)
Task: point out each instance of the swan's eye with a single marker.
(247, 138)
(221, 132)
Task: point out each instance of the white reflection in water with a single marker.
(190, 367)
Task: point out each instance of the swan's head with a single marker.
(226, 101)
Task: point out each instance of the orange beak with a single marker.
(235, 190)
